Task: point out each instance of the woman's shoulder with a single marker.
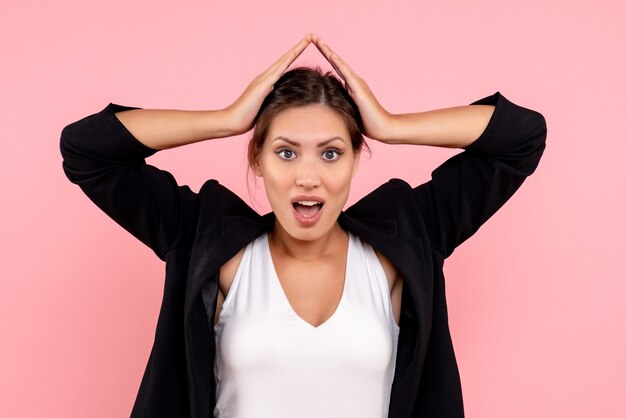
(223, 201)
(385, 199)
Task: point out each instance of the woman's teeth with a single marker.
(307, 208)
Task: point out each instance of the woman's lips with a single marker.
(307, 215)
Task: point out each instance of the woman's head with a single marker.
(305, 86)
(306, 147)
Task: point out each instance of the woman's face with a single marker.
(307, 164)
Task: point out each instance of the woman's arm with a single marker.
(105, 154)
(471, 186)
(454, 127)
(502, 143)
(108, 163)
(164, 129)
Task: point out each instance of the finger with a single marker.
(337, 63)
(296, 49)
(290, 56)
(325, 50)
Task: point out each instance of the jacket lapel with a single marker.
(408, 256)
(214, 248)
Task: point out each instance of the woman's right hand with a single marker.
(244, 110)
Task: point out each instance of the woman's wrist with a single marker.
(220, 123)
(233, 121)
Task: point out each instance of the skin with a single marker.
(297, 251)
(308, 152)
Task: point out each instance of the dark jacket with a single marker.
(196, 233)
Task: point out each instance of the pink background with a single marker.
(537, 297)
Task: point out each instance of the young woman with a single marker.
(307, 311)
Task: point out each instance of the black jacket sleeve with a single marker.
(467, 189)
(108, 163)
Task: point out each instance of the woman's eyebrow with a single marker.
(296, 144)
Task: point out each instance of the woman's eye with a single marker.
(330, 155)
(286, 154)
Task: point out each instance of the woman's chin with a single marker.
(305, 231)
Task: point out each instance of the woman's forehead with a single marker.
(320, 142)
(308, 123)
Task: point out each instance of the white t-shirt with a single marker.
(271, 363)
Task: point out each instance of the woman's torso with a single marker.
(338, 363)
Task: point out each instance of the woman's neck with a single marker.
(331, 242)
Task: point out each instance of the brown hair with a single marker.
(304, 86)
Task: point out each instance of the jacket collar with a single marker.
(366, 227)
(213, 248)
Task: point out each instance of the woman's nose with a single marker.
(307, 176)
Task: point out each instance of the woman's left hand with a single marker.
(376, 120)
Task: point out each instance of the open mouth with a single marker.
(307, 208)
